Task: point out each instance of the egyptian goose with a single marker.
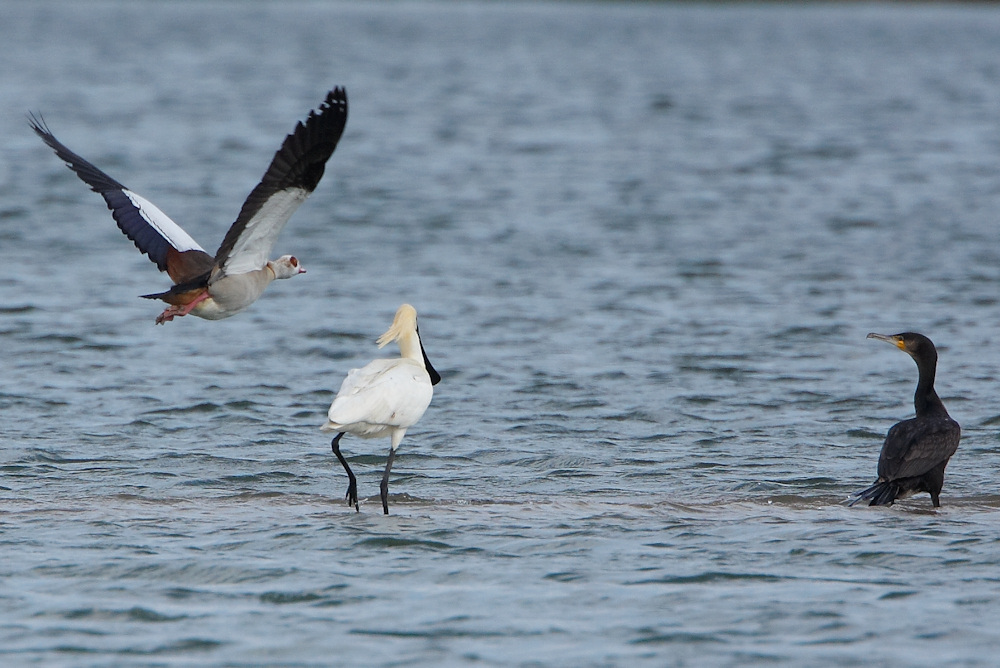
(384, 397)
(220, 286)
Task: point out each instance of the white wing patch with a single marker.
(161, 222)
(253, 247)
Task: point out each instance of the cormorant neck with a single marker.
(925, 400)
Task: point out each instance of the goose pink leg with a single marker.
(178, 311)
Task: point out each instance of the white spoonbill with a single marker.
(226, 284)
(384, 397)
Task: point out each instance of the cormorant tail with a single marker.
(882, 493)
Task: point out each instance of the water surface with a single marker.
(646, 242)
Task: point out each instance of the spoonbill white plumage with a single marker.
(384, 397)
(226, 284)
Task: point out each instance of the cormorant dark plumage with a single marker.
(916, 451)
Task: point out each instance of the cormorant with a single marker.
(917, 450)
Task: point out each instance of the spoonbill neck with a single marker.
(409, 347)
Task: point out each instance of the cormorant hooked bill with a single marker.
(917, 450)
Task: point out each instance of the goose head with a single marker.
(286, 266)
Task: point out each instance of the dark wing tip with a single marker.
(98, 181)
(336, 97)
(301, 160)
(37, 123)
(298, 164)
(130, 219)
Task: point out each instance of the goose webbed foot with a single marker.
(180, 310)
(168, 314)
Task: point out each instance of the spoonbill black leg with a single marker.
(352, 486)
(384, 487)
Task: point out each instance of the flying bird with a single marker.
(916, 451)
(384, 398)
(219, 286)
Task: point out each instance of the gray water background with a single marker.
(646, 242)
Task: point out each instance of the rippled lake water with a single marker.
(646, 242)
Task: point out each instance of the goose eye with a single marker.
(294, 261)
